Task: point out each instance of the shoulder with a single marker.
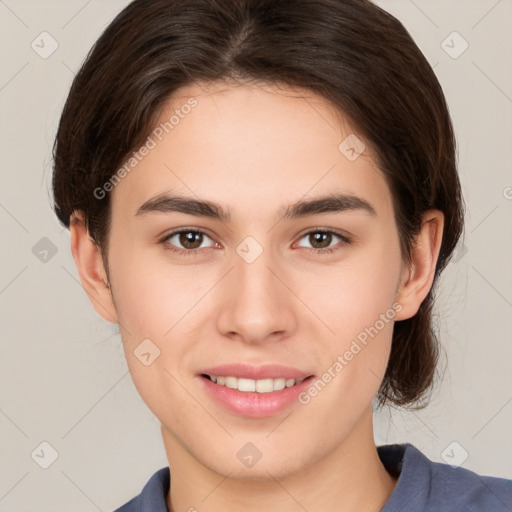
(153, 495)
(435, 486)
(470, 490)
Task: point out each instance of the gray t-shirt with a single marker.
(423, 486)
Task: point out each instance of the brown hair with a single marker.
(352, 53)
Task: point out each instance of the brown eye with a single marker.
(185, 241)
(320, 239)
(190, 239)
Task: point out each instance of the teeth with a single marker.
(245, 384)
(231, 382)
(260, 386)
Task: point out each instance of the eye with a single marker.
(324, 238)
(193, 239)
(190, 239)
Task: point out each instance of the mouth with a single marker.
(245, 385)
(254, 398)
(254, 391)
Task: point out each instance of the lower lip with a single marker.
(252, 404)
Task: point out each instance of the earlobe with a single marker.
(417, 279)
(89, 263)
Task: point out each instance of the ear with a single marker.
(88, 260)
(417, 280)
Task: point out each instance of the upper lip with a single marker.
(247, 371)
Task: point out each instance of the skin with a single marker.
(255, 149)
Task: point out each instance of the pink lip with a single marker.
(253, 404)
(246, 371)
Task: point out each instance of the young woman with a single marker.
(263, 196)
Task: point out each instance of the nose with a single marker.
(258, 303)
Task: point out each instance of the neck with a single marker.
(351, 478)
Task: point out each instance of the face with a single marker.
(306, 295)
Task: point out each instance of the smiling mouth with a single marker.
(251, 385)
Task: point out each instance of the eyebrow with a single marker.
(331, 203)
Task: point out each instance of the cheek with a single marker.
(356, 302)
(353, 294)
(151, 307)
(151, 295)
(141, 303)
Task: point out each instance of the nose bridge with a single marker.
(254, 281)
(254, 276)
(258, 304)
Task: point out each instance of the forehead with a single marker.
(251, 146)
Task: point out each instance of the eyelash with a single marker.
(194, 252)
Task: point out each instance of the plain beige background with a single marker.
(63, 376)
